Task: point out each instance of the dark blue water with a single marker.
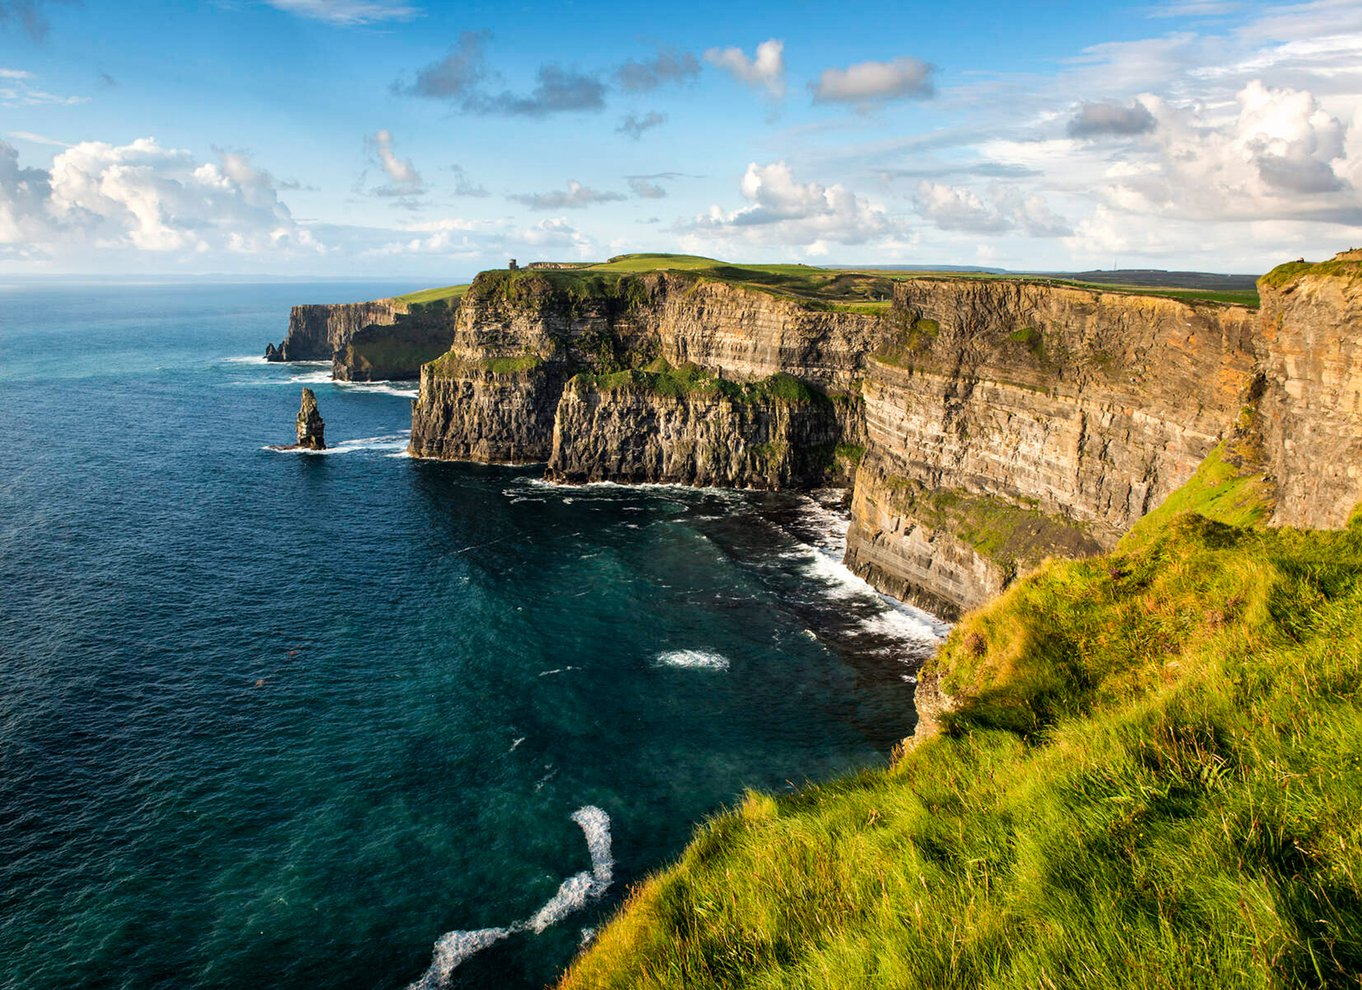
(282, 720)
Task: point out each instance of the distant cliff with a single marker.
(983, 424)
(320, 332)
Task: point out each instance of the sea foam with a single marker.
(693, 659)
(454, 948)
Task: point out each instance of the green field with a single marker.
(1151, 777)
(431, 295)
(867, 291)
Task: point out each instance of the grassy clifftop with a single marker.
(1150, 775)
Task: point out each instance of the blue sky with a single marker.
(406, 137)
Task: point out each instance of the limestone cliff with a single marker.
(1312, 402)
(625, 428)
(320, 332)
(535, 330)
(396, 351)
(1084, 407)
(988, 422)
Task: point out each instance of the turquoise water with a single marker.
(283, 720)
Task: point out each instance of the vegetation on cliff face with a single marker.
(1012, 536)
(1347, 265)
(661, 378)
(1149, 774)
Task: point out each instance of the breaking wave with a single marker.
(693, 660)
(454, 948)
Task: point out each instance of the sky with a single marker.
(410, 138)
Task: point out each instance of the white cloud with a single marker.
(784, 211)
(575, 197)
(766, 70)
(404, 180)
(348, 12)
(144, 197)
(1001, 209)
(868, 83)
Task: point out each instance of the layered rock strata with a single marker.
(1312, 401)
(988, 422)
(396, 351)
(320, 332)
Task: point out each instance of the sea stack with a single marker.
(311, 426)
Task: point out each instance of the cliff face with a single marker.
(396, 351)
(1312, 403)
(988, 422)
(631, 432)
(1087, 408)
(512, 321)
(320, 332)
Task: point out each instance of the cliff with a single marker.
(988, 423)
(320, 332)
(1050, 417)
(1312, 402)
(528, 333)
(396, 350)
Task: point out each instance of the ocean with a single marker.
(355, 720)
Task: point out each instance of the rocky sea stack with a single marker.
(311, 426)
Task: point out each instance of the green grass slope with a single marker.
(1151, 776)
(424, 296)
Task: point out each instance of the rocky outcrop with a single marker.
(396, 351)
(311, 426)
(564, 323)
(1085, 407)
(1312, 401)
(718, 434)
(320, 332)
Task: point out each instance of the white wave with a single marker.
(595, 825)
(515, 742)
(556, 670)
(693, 659)
(899, 621)
(572, 894)
(246, 359)
(453, 948)
(311, 378)
(392, 442)
(381, 388)
(835, 576)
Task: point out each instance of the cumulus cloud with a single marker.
(635, 126)
(347, 13)
(1001, 209)
(765, 70)
(144, 197)
(1093, 120)
(475, 240)
(461, 76)
(575, 197)
(866, 84)
(403, 179)
(1281, 155)
(669, 66)
(782, 210)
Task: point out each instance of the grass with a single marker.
(1151, 776)
(1284, 275)
(425, 296)
(661, 378)
(1012, 536)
